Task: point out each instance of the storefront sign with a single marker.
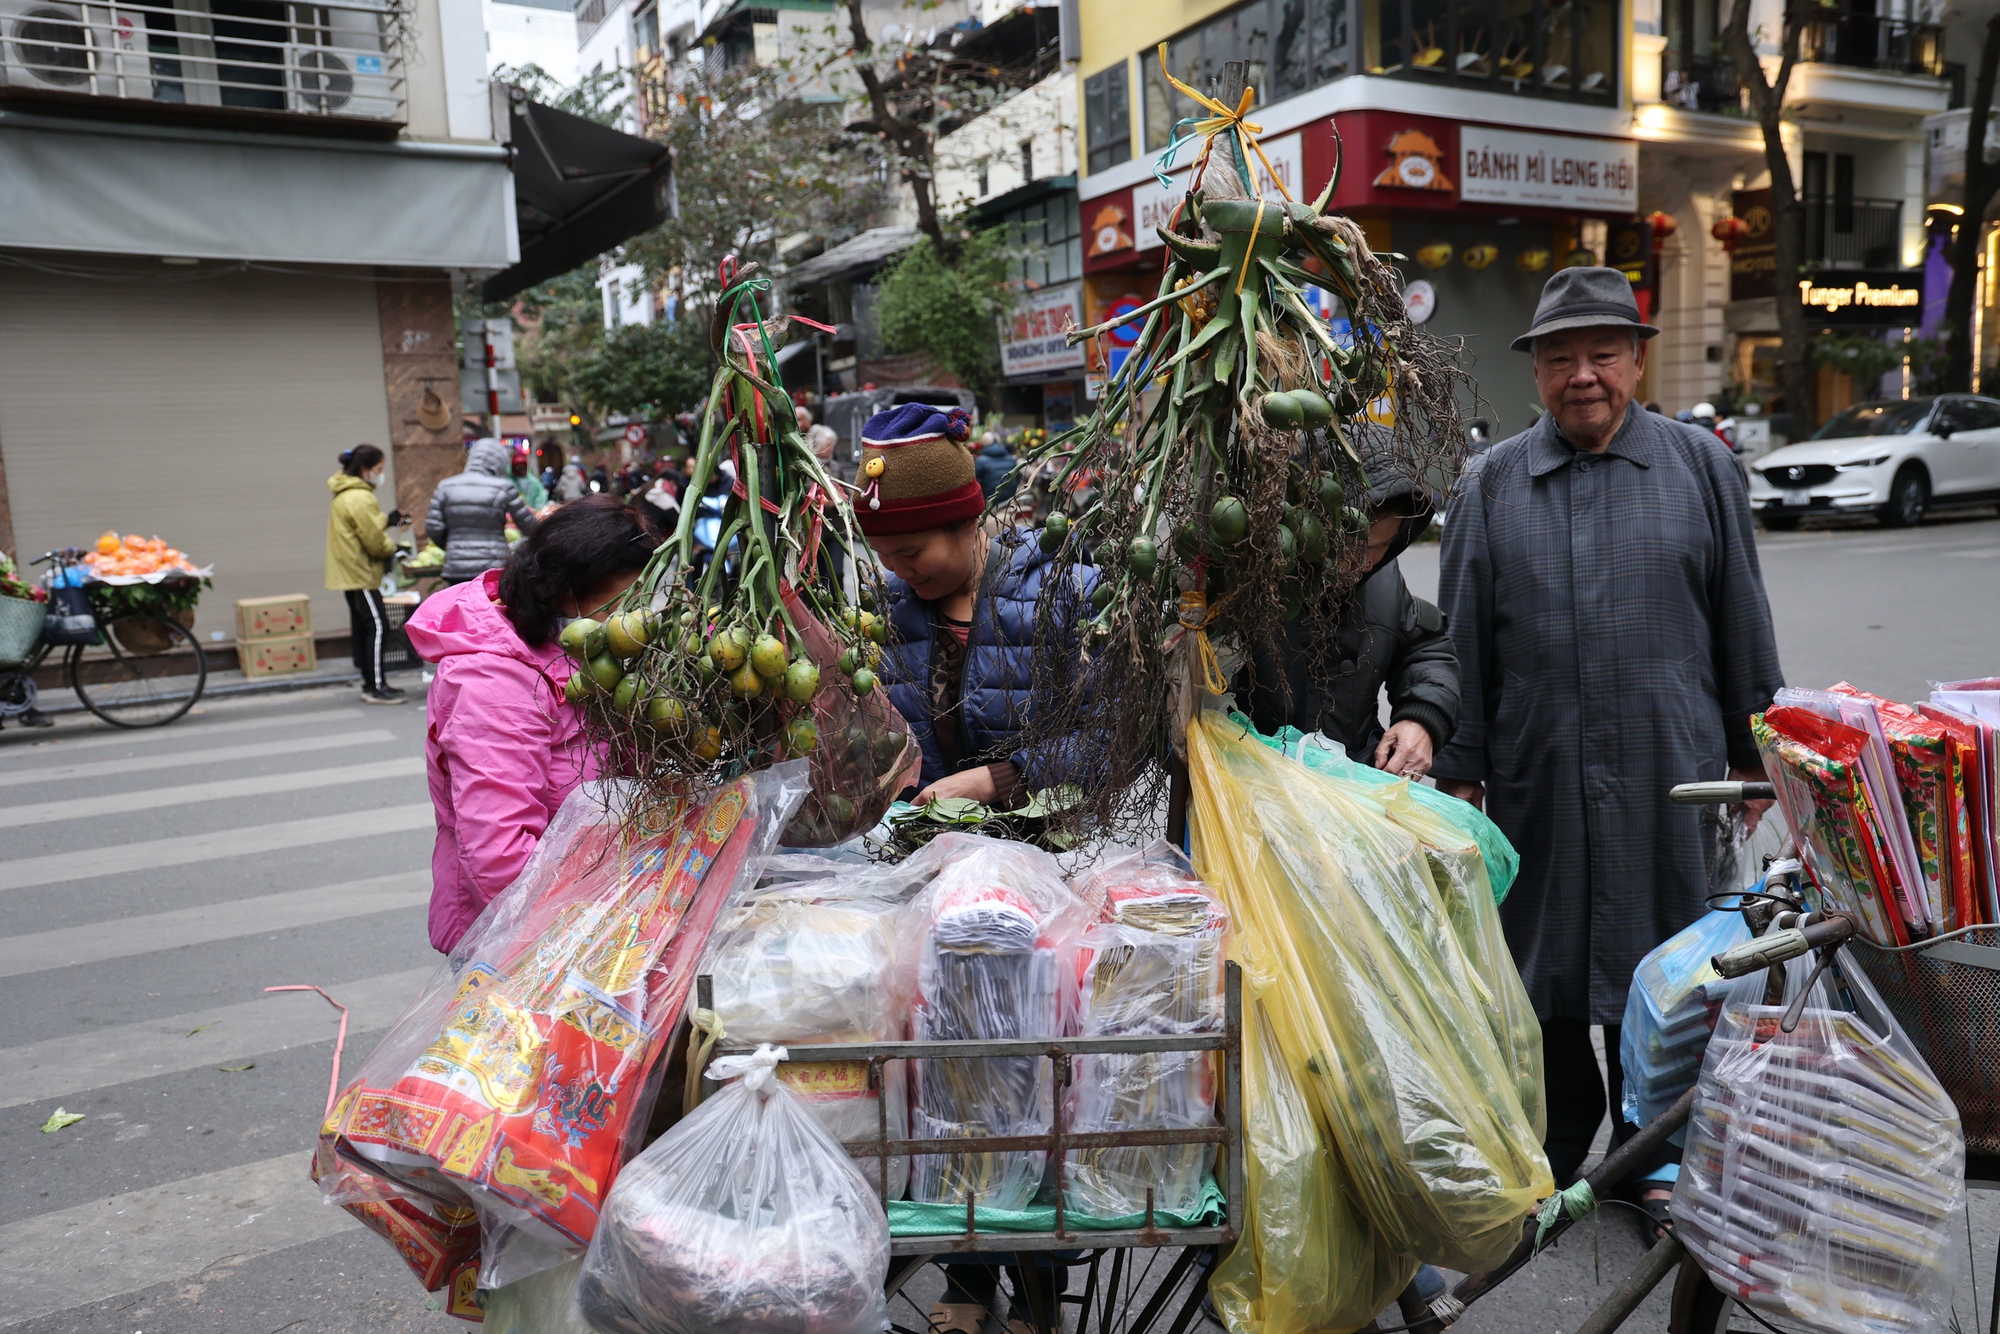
(1415, 163)
(1031, 339)
(1753, 259)
(1547, 170)
(1153, 204)
(1865, 298)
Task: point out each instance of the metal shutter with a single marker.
(206, 409)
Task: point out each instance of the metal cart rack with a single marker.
(1111, 1290)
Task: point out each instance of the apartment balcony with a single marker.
(1864, 41)
(1853, 233)
(270, 63)
(1701, 83)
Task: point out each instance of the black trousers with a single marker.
(1577, 1099)
(368, 624)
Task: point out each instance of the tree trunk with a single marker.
(1767, 101)
(907, 136)
(1982, 179)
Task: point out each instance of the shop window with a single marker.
(1544, 48)
(1289, 45)
(1107, 117)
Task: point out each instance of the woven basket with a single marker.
(20, 628)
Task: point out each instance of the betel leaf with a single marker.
(958, 810)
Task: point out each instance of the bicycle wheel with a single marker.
(149, 671)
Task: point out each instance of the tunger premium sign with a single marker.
(1547, 170)
(1863, 298)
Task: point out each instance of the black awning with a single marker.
(580, 188)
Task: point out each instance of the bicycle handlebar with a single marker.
(1776, 947)
(1727, 793)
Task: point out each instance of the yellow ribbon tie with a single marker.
(1194, 616)
(1224, 119)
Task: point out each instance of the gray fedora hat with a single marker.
(1585, 298)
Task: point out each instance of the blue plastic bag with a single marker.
(1671, 1011)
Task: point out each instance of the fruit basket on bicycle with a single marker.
(124, 640)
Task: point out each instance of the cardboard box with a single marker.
(276, 657)
(271, 618)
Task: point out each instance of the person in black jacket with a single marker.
(1387, 636)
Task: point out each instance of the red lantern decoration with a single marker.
(1663, 226)
(1729, 231)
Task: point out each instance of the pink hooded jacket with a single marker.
(504, 748)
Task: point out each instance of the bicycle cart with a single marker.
(1117, 1292)
(1944, 992)
(136, 670)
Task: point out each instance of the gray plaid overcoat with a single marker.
(1613, 639)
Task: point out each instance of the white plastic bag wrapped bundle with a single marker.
(746, 1216)
(996, 937)
(814, 960)
(1825, 1167)
(1154, 968)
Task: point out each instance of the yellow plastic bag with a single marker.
(1309, 1262)
(1374, 999)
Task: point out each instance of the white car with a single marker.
(1895, 460)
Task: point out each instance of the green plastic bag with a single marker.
(1324, 756)
(1382, 1012)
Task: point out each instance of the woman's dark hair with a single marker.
(359, 459)
(570, 553)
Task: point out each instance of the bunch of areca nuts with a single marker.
(715, 690)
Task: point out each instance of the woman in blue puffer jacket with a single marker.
(960, 659)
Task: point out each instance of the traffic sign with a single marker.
(635, 434)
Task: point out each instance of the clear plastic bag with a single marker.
(1671, 1010)
(995, 936)
(1825, 1167)
(865, 757)
(517, 1081)
(1380, 1009)
(804, 960)
(543, 1303)
(1153, 968)
(745, 1217)
(1309, 1262)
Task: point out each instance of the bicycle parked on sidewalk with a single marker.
(129, 668)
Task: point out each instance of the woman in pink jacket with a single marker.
(504, 746)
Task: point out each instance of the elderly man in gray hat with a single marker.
(1613, 638)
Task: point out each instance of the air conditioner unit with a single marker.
(62, 47)
(338, 66)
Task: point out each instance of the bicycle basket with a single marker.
(71, 621)
(20, 628)
(1947, 998)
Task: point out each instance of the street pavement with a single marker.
(152, 884)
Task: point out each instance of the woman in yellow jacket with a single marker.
(357, 552)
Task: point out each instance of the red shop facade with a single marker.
(1484, 214)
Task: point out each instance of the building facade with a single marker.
(229, 237)
(1491, 141)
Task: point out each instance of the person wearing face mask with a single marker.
(1387, 637)
(504, 745)
(358, 549)
(961, 610)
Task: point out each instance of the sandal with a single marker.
(958, 1318)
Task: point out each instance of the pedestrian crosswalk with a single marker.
(187, 849)
(154, 883)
